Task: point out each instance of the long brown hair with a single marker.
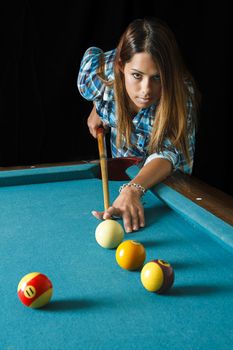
(154, 37)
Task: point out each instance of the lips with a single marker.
(143, 99)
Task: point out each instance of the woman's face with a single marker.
(142, 81)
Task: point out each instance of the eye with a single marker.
(136, 76)
(156, 77)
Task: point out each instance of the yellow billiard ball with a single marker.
(157, 276)
(109, 234)
(130, 255)
(35, 290)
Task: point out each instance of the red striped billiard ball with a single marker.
(157, 276)
(35, 290)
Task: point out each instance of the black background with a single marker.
(42, 115)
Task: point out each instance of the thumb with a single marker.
(98, 214)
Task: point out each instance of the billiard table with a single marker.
(46, 226)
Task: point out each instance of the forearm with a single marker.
(153, 173)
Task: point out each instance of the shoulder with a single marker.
(90, 58)
(96, 51)
(191, 94)
(189, 86)
(96, 70)
(94, 57)
(191, 112)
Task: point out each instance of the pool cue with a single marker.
(103, 165)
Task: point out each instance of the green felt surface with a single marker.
(48, 227)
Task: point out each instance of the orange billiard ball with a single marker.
(35, 290)
(130, 255)
(157, 276)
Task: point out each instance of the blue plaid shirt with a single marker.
(93, 89)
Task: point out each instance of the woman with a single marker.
(143, 92)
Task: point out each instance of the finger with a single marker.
(135, 221)
(98, 214)
(127, 222)
(107, 216)
(141, 217)
(105, 126)
(112, 211)
(93, 132)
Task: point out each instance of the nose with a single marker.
(146, 87)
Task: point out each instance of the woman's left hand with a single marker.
(128, 206)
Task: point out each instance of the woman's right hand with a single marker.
(128, 206)
(94, 122)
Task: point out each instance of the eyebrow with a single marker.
(138, 71)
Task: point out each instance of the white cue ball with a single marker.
(109, 234)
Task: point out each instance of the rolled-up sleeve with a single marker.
(169, 152)
(89, 84)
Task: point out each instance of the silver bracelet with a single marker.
(133, 184)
